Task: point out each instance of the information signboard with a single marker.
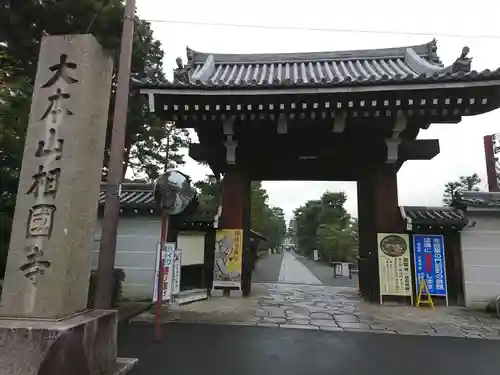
(394, 264)
(430, 263)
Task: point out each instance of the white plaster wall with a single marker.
(135, 253)
(192, 246)
(481, 259)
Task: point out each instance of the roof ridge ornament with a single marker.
(189, 54)
(433, 56)
(463, 63)
(181, 73)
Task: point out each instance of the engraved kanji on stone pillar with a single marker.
(48, 263)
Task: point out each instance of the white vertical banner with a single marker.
(316, 255)
(345, 269)
(168, 260)
(176, 273)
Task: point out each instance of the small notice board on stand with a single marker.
(394, 265)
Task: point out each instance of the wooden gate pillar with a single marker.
(378, 212)
(236, 215)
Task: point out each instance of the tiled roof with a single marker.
(476, 200)
(133, 195)
(139, 195)
(255, 234)
(323, 69)
(448, 217)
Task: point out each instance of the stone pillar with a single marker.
(46, 282)
(48, 263)
(235, 215)
(378, 211)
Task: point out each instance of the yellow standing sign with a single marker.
(423, 288)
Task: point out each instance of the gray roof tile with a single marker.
(435, 216)
(139, 195)
(476, 199)
(134, 195)
(364, 67)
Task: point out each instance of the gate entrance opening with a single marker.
(294, 116)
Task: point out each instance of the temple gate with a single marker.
(293, 116)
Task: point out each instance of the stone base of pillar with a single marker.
(231, 293)
(83, 344)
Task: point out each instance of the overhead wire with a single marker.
(321, 29)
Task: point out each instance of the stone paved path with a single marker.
(326, 308)
(293, 271)
(338, 309)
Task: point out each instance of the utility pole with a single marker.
(491, 163)
(107, 251)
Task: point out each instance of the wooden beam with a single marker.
(421, 149)
(267, 160)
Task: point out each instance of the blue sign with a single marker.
(430, 265)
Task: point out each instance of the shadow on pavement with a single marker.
(267, 269)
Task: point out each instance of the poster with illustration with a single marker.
(228, 258)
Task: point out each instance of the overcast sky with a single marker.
(419, 182)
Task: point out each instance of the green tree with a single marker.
(14, 110)
(266, 220)
(158, 150)
(325, 225)
(336, 243)
(22, 24)
(208, 193)
(276, 227)
(466, 183)
(307, 223)
(259, 209)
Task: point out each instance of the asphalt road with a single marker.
(325, 273)
(267, 270)
(294, 272)
(227, 350)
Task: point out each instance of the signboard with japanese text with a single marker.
(176, 272)
(228, 258)
(394, 264)
(430, 265)
(168, 260)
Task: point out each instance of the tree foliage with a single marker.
(22, 25)
(158, 149)
(325, 225)
(208, 193)
(266, 220)
(466, 183)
